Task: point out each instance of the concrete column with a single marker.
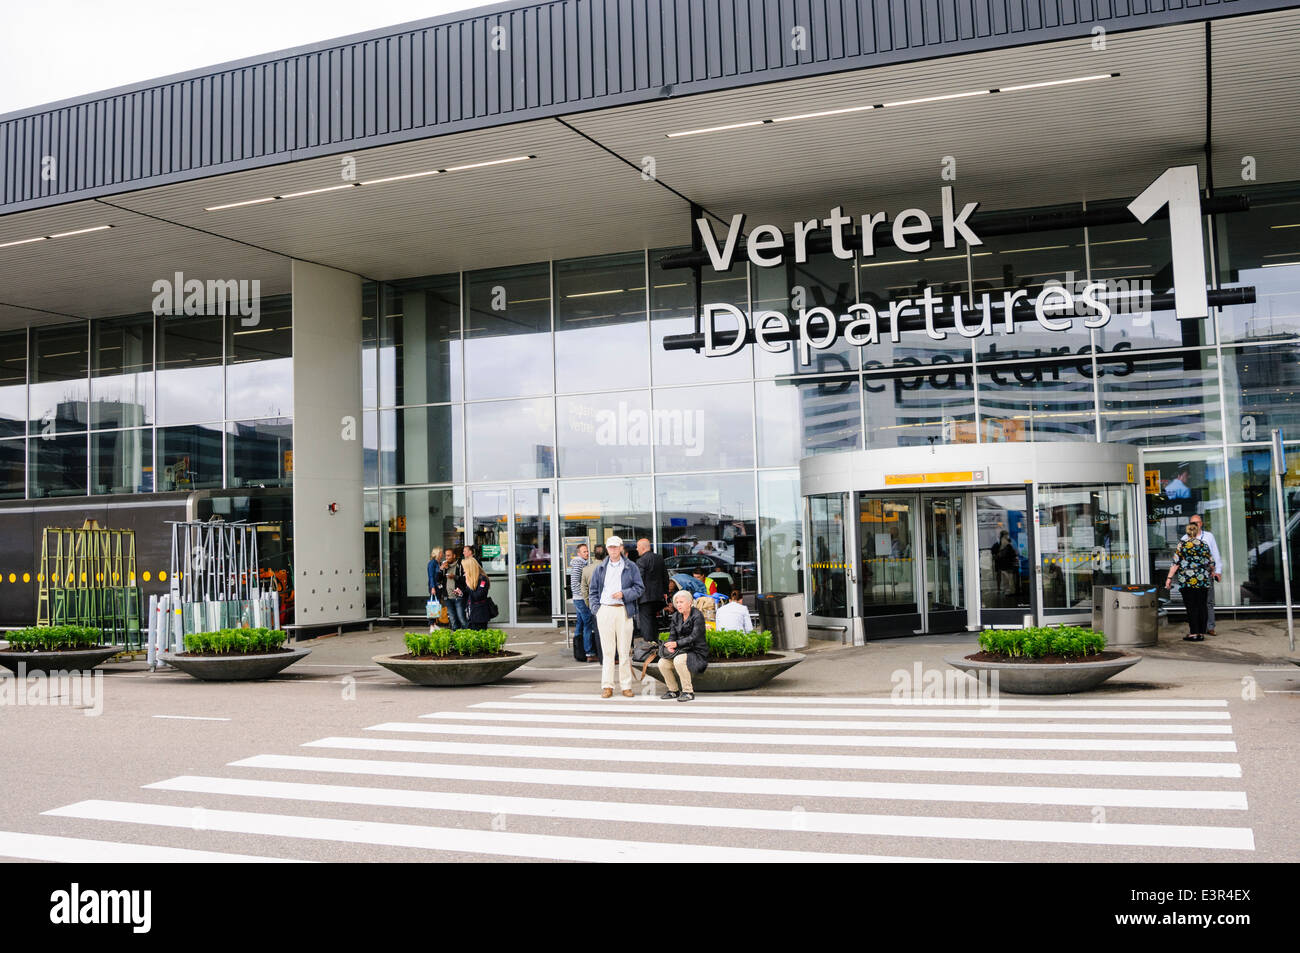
(329, 549)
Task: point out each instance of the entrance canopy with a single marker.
(918, 540)
(1084, 118)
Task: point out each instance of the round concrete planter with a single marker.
(1029, 678)
(737, 676)
(453, 671)
(234, 668)
(66, 660)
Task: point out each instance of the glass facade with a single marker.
(565, 382)
(553, 375)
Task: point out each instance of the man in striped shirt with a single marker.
(584, 633)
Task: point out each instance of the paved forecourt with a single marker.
(550, 773)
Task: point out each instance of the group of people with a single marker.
(462, 587)
(617, 598)
(1196, 566)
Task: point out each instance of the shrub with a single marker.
(1070, 641)
(54, 638)
(732, 643)
(236, 641)
(442, 643)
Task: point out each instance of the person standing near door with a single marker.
(654, 574)
(616, 590)
(1193, 565)
(1006, 562)
(1208, 538)
(584, 632)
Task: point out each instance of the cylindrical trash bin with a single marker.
(782, 614)
(1130, 616)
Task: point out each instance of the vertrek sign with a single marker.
(913, 230)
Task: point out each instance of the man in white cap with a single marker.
(614, 597)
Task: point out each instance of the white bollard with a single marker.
(151, 633)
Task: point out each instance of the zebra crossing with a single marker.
(752, 778)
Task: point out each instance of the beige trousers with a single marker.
(615, 630)
(677, 662)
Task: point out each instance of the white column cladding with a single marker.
(415, 441)
(329, 550)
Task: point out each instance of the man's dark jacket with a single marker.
(654, 576)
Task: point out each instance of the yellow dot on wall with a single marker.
(27, 577)
(131, 579)
(162, 576)
(83, 577)
(116, 578)
(180, 575)
(145, 577)
(13, 577)
(40, 577)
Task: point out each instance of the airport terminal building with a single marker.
(941, 313)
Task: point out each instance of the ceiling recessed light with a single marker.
(329, 188)
(45, 238)
(700, 132)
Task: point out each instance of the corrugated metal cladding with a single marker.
(506, 65)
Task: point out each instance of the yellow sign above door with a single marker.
(913, 479)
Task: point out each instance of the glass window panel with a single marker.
(13, 469)
(121, 372)
(121, 461)
(885, 539)
(780, 531)
(800, 418)
(422, 341)
(591, 511)
(1092, 542)
(672, 312)
(1133, 257)
(510, 439)
(601, 434)
(13, 383)
(1252, 511)
(600, 329)
(189, 369)
(58, 465)
(374, 594)
(426, 444)
(189, 458)
(60, 384)
(710, 515)
(371, 458)
(828, 567)
(261, 452)
(370, 346)
(1026, 262)
(1180, 484)
(1260, 248)
(704, 427)
(894, 275)
(508, 332)
(823, 281)
(259, 378)
(1037, 401)
(417, 522)
(919, 408)
(1170, 398)
(1005, 566)
(1261, 388)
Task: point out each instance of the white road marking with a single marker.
(451, 839)
(682, 719)
(77, 850)
(807, 740)
(909, 712)
(880, 825)
(836, 762)
(908, 702)
(192, 717)
(985, 793)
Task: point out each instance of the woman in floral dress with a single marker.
(1194, 567)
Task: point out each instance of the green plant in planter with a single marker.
(236, 641)
(444, 643)
(733, 643)
(1070, 641)
(54, 638)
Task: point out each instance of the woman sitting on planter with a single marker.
(476, 590)
(1194, 567)
(686, 653)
